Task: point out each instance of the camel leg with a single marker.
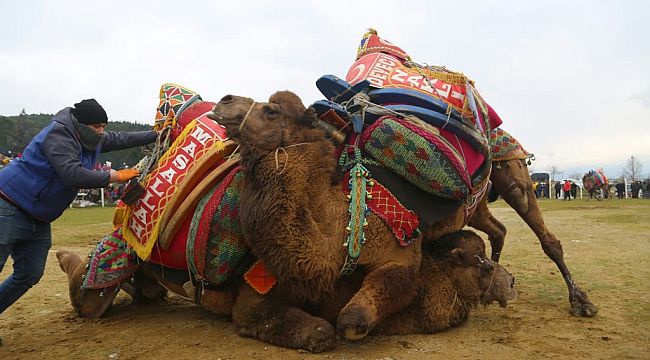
(513, 182)
(146, 288)
(275, 322)
(484, 221)
(384, 291)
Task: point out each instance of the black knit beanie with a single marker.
(89, 112)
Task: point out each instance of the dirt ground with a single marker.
(606, 246)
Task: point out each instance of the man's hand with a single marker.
(123, 175)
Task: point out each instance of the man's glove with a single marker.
(124, 175)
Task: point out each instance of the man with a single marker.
(38, 187)
(567, 190)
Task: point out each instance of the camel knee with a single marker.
(517, 197)
(552, 247)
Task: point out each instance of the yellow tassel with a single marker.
(118, 216)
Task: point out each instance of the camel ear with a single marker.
(289, 102)
(309, 117)
(458, 256)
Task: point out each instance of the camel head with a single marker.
(87, 303)
(497, 284)
(476, 277)
(263, 127)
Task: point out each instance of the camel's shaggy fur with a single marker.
(295, 217)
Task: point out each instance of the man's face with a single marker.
(98, 128)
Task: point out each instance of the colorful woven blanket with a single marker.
(505, 147)
(422, 157)
(449, 155)
(215, 245)
(111, 262)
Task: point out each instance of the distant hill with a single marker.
(17, 131)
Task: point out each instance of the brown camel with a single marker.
(511, 180)
(454, 277)
(294, 215)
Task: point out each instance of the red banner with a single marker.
(142, 220)
(386, 71)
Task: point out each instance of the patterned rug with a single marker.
(504, 146)
(424, 158)
(111, 262)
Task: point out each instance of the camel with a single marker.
(597, 184)
(294, 214)
(511, 180)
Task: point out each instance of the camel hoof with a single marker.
(353, 323)
(321, 339)
(580, 304)
(585, 309)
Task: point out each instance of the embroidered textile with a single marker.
(505, 147)
(424, 158)
(401, 221)
(226, 248)
(110, 263)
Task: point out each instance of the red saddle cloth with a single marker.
(174, 256)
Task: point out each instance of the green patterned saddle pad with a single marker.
(418, 153)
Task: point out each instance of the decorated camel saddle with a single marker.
(426, 124)
(182, 212)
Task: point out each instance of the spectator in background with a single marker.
(574, 190)
(558, 189)
(36, 188)
(567, 190)
(620, 190)
(635, 187)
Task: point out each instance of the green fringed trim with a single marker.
(359, 182)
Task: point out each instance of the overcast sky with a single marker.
(571, 79)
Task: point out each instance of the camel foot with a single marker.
(585, 309)
(295, 329)
(354, 322)
(320, 338)
(581, 306)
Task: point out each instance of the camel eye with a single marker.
(269, 111)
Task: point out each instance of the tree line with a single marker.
(17, 131)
